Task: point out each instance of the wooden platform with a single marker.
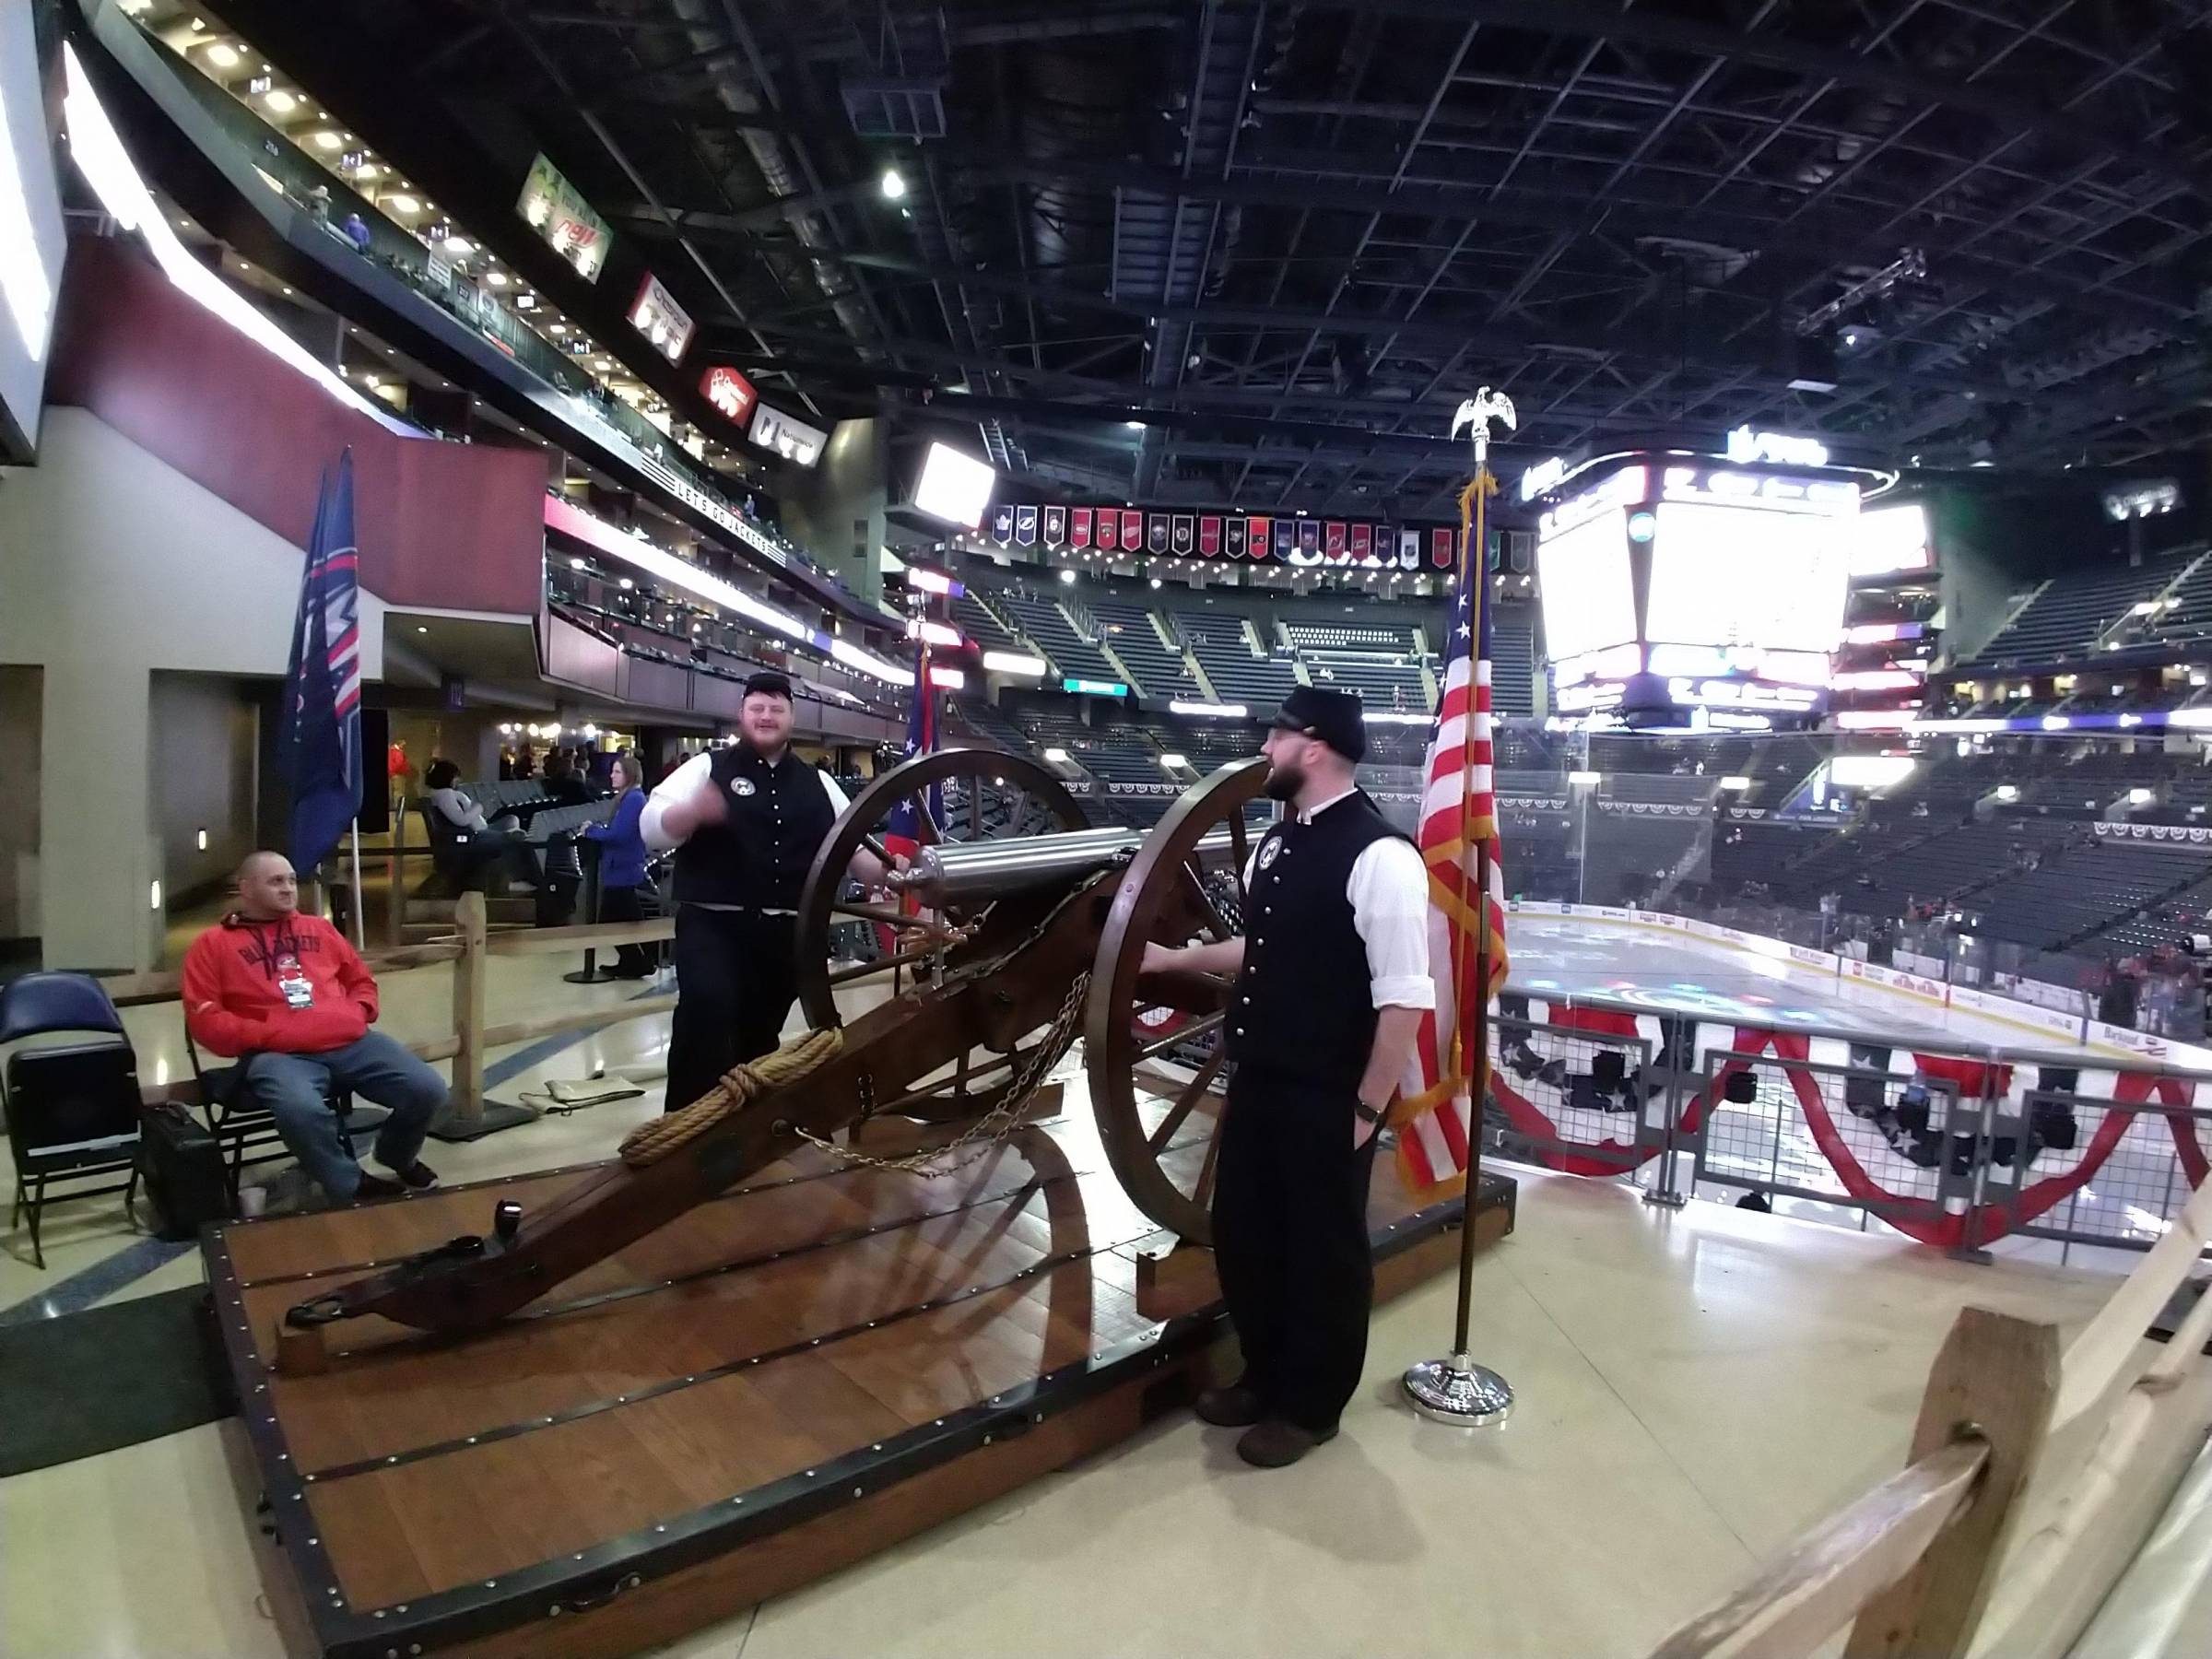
(791, 1377)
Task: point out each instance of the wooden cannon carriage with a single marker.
(585, 1411)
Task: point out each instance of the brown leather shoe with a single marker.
(1237, 1407)
(1276, 1444)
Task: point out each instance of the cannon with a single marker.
(618, 1401)
(1017, 927)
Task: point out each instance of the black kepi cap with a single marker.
(1335, 717)
(769, 681)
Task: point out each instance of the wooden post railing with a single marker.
(1912, 1560)
(470, 950)
(467, 1092)
(2031, 1483)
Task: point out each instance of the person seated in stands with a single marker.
(563, 781)
(459, 824)
(286, 996)
(622, 858)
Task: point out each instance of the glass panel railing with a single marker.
(286, 171)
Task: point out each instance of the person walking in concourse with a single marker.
(286, 997)
(1332, 979)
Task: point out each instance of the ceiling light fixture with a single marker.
(893, 185)
(223, 55)
(327, 141)
(403, 203)
(281, 102)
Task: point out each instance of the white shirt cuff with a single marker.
(1404, 990)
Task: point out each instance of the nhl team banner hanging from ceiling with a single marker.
(1296, 541)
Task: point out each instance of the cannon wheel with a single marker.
(985, 795)
(1155, 1060)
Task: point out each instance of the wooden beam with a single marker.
(1798, 1602)
(1997, 1376)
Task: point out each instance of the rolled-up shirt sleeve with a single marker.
(686, 781)
(1389, 890)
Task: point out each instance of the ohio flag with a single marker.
(1435, 1115)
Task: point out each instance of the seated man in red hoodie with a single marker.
(286, 995)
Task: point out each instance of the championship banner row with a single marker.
(1298, 541)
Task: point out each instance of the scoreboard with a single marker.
(1684, 590)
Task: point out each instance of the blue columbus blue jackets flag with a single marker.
(319, 737)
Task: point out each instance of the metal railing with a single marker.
(1955, 1144)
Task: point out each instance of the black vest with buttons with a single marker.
(759, 856)
(1302, 1006)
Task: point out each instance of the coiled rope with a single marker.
(649, 1143)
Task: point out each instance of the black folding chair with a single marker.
(241, 1126)
(72, 1108)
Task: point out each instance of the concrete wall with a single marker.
(203, 766)
(114, 566)
(836, 510)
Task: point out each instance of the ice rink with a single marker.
(1822, 1139)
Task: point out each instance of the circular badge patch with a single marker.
(1268, 851)
(741, 786)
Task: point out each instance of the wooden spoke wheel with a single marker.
(858, 949)
(1159, 1073)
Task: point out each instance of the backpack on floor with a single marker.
(181, 1165)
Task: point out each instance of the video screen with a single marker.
(1726, 576)
(954, 487)
(1890, 539)
(1588, 604)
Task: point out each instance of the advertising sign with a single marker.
(551, 205)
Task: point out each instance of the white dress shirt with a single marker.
(1389, 890)
(693, 779)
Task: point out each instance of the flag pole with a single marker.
(361, 905)
(1455, 1390)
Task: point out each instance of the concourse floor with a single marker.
(1692, 1387)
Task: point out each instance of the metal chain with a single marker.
(992, 1130)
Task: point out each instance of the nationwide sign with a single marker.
(551, 205)
(655, 314)
(1349, 544)
(731, 393)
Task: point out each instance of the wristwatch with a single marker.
(1365, 1110)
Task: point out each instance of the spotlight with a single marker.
(894, 186)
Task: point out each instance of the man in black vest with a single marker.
(746, 821)
(1332, 978)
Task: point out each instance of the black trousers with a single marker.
(621, 904)
(736, 976)
(1290, 1241)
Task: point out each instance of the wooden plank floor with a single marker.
(765, 1342)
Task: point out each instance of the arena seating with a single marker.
(2186, 612)
(1155, 669)
(1236, 673)
(1048, 625)
(973, 612)
(2067, 614)
(1514, 661)
(2080, 889)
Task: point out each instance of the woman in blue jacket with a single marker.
(622, 864)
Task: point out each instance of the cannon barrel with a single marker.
(953, 871)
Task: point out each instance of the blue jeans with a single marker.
(295, 1088)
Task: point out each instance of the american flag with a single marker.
(1459, 813)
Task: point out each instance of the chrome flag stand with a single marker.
(1456, 1389)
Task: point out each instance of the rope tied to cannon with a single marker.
(649, 1143)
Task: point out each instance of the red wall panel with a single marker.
(449, 524)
